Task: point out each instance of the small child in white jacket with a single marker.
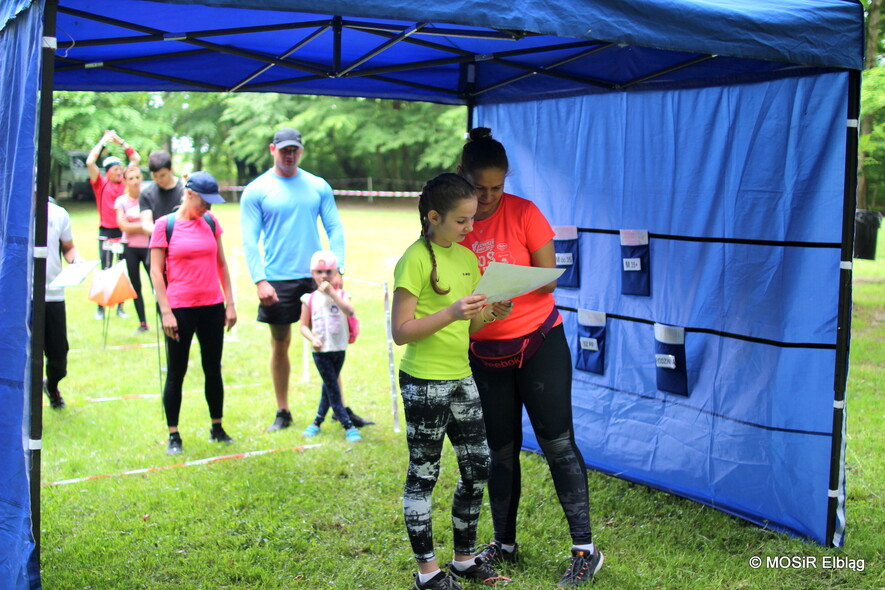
(324, 314)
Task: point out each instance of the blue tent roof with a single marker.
(457, 52)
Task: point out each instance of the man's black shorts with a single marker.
(288, 309)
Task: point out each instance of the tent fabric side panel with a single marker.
(741, 190)
(20, 46)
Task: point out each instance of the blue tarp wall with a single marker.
(19, 82)
(739, 197)
(720, 127)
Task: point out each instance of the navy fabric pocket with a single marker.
(590, 355)
(670, 363)
(567, 247)
(635, 263)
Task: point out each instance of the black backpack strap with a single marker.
(210, 221)
(170, 225)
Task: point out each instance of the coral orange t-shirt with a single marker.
(510, 235)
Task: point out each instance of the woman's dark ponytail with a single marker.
(482, 151)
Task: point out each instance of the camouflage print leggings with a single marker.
(433, 410)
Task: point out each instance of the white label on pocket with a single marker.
(590, 344)
(632, 264)
(665, 361)
(564, 259)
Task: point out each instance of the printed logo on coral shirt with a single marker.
(488, 251)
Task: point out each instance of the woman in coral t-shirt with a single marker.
(194, 293)
(513, 230)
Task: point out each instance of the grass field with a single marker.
(330, 516)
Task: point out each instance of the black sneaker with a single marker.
(283, 420)
(219, 435)
(357, 421)
(494, 553)
(174, 446)
(438, 582)
(480, 571)
(582, 568)
(56, 401)
(142, 327)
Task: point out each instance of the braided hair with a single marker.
(482, 151)
(440, 194)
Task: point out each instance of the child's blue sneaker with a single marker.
(352, 435)
(311, 431)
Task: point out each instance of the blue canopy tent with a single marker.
(701, 157)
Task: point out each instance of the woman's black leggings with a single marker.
(207, 322)
(544, 387)
(134, 257)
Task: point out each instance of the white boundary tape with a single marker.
(188, 464)
(151, 395)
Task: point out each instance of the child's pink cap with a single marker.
(323, 260)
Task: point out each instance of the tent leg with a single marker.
(44, 151)
(836, 506)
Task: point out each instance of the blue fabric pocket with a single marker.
(670, 364)
(635, 262)
(567, 248)
(590, 355)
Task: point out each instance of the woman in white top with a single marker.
(135, 236)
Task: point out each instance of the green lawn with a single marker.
(330, 516)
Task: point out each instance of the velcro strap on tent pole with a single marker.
(35, 444)
(41, 251)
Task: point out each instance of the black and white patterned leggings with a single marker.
(433, 410)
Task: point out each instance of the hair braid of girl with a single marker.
(434, 276)
(440, 194)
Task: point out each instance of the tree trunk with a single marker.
(866, 120)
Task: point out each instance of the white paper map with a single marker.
(73, 274)
(505, 281)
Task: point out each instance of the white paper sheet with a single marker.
(73, 274)
(505, 281)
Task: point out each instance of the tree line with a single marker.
(397, 144)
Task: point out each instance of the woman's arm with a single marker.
(126, 225)
(406, 328)
(545, 257)
(498, 310)
(230, 310)
(158, 278)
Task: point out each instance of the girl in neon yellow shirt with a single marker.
(434, 314)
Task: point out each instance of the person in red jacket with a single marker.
(107, 188)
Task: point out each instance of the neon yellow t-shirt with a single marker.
(442, 355)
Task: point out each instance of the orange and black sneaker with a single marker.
(582, 568)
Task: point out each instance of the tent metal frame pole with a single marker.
(38, 316)
(843, 326)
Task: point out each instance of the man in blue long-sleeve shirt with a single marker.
(279, 211)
